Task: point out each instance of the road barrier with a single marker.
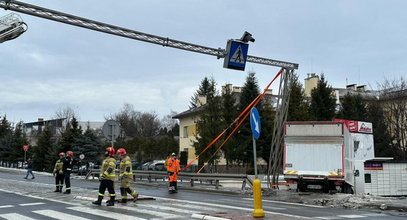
(192, 178)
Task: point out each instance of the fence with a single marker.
(192, 178)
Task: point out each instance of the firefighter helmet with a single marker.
(61, 154)
(69, 154)
(110, 151)
(121, 151)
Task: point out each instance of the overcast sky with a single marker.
(54, 65)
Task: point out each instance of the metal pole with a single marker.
(254, 157)
(112, 127)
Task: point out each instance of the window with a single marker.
(368, 178)
(185, 134)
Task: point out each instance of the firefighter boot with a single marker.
(68, 191)
(99, 201)
(57, 189)
(111, 201)
(123, 195)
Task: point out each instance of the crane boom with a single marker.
(132, 34)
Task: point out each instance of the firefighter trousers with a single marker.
(67, 181)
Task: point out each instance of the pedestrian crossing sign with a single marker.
(236, 55)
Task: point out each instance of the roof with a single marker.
(189, 112)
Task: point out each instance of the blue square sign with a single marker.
(236, 55)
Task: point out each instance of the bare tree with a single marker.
(393, 98)
(66, 113)
(136, 124)
(168, 122)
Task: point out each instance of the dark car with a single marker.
(136, 165)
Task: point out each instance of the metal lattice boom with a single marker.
(124, 32)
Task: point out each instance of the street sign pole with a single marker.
(112, 129)
(254, 157)
(255, 125)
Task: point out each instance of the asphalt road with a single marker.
(16, 191)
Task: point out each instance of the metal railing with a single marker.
(192, 178)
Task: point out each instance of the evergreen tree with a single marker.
(267, 124)
(18, 139)
(89, 145)
(229, 113)
(244, 151)
(352, 108)
(210, 124)
(322, 106)
(205, 87)
(44, 154)
(382, 139)
(297, 106)
(73, 132)
(6, 136)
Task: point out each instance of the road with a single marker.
(35, 199)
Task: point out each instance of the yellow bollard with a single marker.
(258, 206)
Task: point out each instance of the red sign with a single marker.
(351, 125)
(25, 147)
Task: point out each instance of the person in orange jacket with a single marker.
(173, 168)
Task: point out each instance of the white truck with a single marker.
(321, 155)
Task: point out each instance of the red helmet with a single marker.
(69, 154)
(121, 151)
(110, 151)
(61, 154)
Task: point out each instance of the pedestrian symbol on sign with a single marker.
(238, 56)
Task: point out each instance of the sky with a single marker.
(54, 65)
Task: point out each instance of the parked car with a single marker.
(136, 165)
(145, 165)
(157, 166)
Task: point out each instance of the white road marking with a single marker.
(248, 204)
(103, 213)
(15, 216)
(161, 215)
(32, 204)
(166, 208)
(198, 216)
(58, 215)
(229, 207)
(189, 206)
(374, 214)
(289, 203)
(6, 206)
(351, 216)
(328, 217)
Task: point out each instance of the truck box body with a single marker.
(326, 153)
(316, 152)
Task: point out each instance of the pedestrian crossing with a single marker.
(73, 207)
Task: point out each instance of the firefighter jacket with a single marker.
(58, 167)
(125, 167)
(67, 165)
(107, 171)
(173, 165)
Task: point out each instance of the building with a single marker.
(311, 82)
(56, 126)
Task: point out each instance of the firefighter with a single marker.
(107, 177)
(126, 176)
(68, 161)
(59, 173)
(173, 169)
